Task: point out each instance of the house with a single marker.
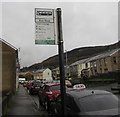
(43, 74)
(76, 68)
(105, 63)
(108, 62)
(56, 73)
(9, 68)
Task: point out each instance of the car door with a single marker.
(44, 94)
(71, 106)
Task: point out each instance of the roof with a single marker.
(56, 68)
(103, 55)
(40, 70)
(85, 92)
(79, 62)
(106, 54)
(2, 40)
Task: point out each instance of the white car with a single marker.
(79, 86)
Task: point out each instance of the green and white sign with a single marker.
(45, 26)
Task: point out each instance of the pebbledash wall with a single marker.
(8, 69)
(8, 55)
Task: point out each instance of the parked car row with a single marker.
(80, 101)
(67, 82)
(33, 86)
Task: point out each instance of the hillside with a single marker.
(72, 56)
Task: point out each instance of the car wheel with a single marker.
(46, 104)
(55, 111)
(40, 102)
(30, 92)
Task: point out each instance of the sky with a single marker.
(83, 24)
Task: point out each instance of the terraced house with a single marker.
(101, 64)
(108, 62)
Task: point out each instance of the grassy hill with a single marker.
(72, 56)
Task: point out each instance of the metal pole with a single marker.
(61, 63)
(66, 65)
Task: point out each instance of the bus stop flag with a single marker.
(45, 26)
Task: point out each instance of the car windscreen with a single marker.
(37, 84)
(55, 87)
(67, 81)
(98, 102)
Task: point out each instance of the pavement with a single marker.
(23, 104)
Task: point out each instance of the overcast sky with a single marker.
(84, 24)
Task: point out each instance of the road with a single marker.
(107, 88)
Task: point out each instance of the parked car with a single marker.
(87, 103)
(116, 88)
(29, 84)
(48, 93)
(25, 83)
(67, 82)
(35, 87)
(79, 86)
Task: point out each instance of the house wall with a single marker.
(8, 68)
(56, 74)
(109, 64)
(115, 61)
(93, 68)
(47, 74)
(80, 68)
(73, 71)
(38, 75)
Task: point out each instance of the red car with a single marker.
(47, 94)
(29, 84)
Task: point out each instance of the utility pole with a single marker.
(61, 63)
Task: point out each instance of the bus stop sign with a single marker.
(45, 26)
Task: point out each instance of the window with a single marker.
(86, 65)
(114, 60)
(55, 88)
(100, 62)
(46, 88)
(104, 61)
(105, 70)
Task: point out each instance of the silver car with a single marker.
(88, 103)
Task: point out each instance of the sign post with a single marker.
(61, 63)
(48, 30)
